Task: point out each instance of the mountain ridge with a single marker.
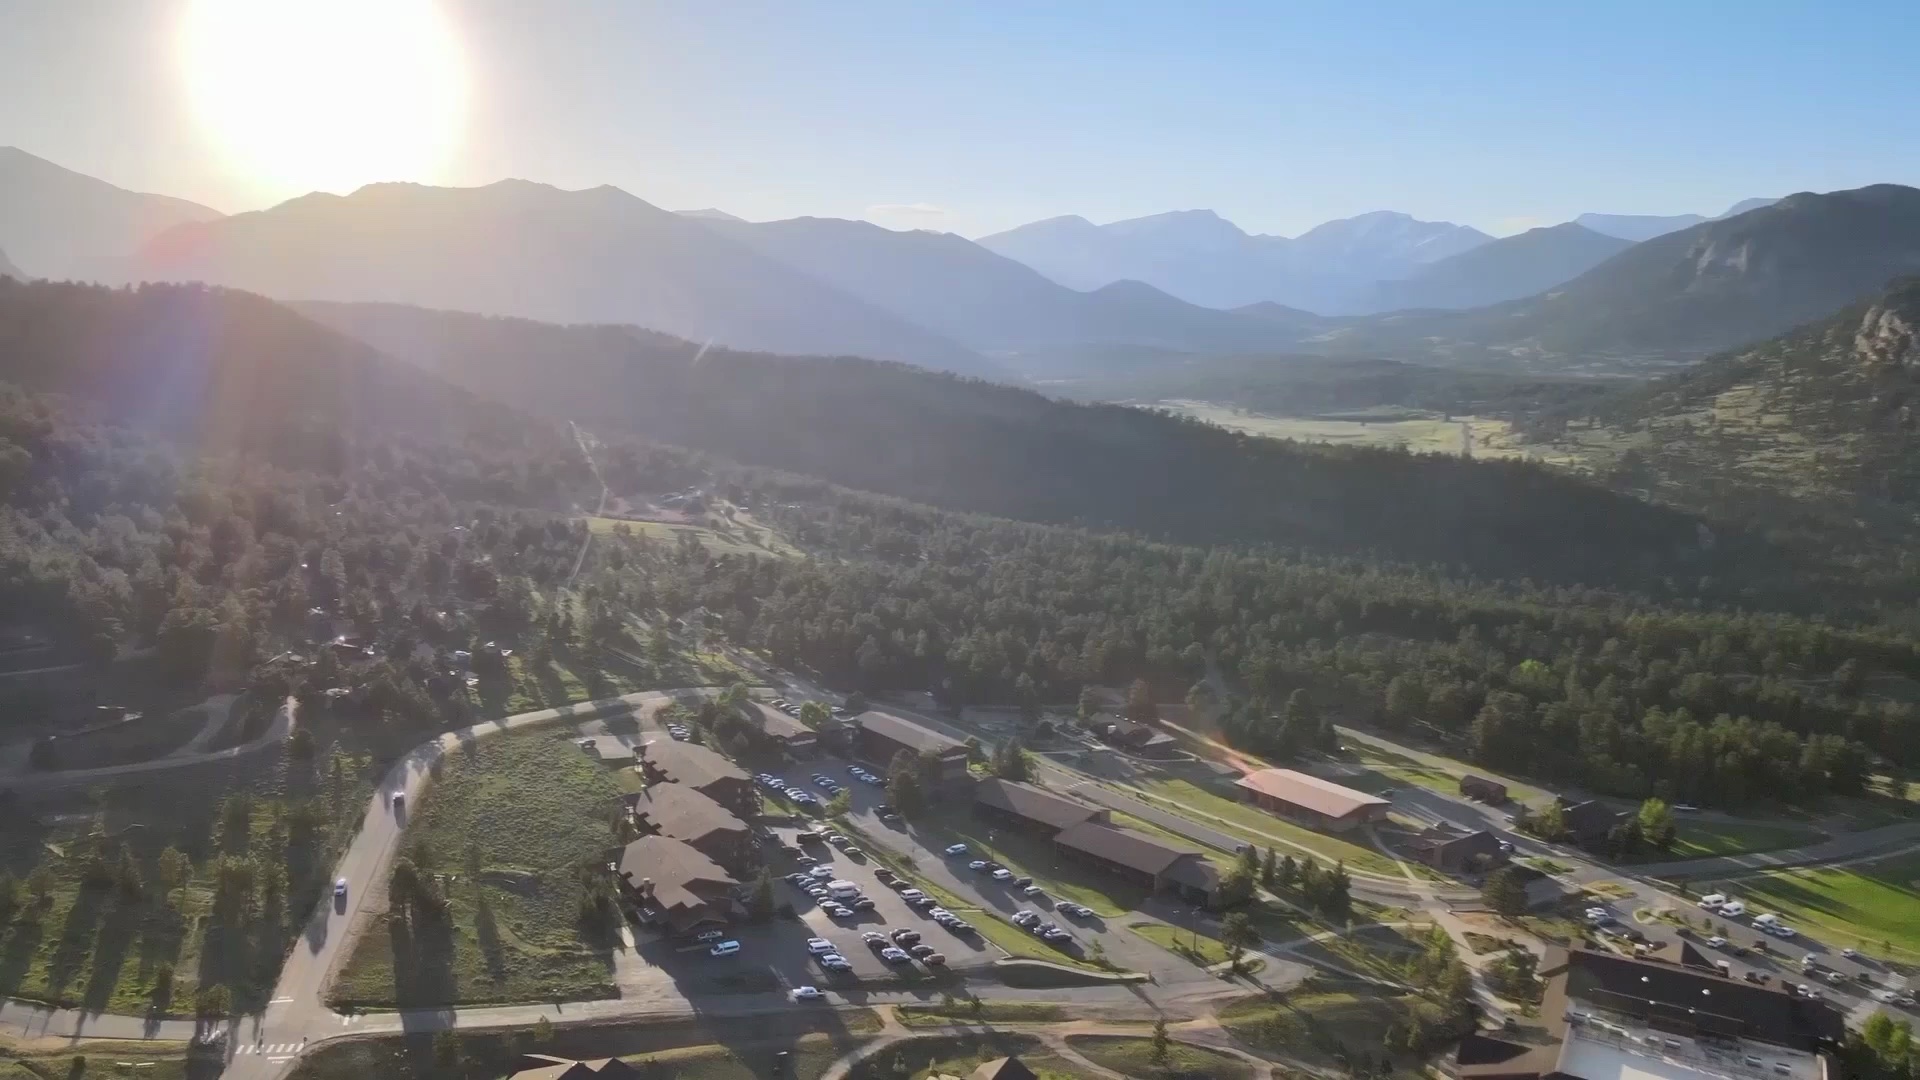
(58, 223)
(594, 255)
(1509, 268)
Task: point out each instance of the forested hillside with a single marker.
(974, 446)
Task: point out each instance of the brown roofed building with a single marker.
(672, 885)
(1140, 738)
(1589, 823)
(1309, 800)
(1481, 789)
(879, 736)
(542, 1067)
(792, 735)
(681, 813)
(1006, 1068)
(701, 769)
(1457, 851)
(1141, 859)
(1034, 809)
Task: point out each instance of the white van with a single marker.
(842, 890)
(1766, 920)
(1733, 909)
(1712, 901)
(725, 948)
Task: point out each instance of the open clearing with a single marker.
(1308, 1024)
(1862, 906)
(1133, 1056)
(721, 537)
(1698, 839)
(527, 811)
(1416, 432)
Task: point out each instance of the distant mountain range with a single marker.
(57, 223)
(1504, 269)
(1200, 257)
(1637, 227)
(526, 249)
(1681, 296)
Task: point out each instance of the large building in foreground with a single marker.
(879, 736)
(1311, 801)
(1610, 1017)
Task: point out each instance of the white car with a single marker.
(1003, 874)
(805, 993)
(957, 849)
(977, 864)
(1851, 954)
(1716, 942)
(819, 946)
(824, 871)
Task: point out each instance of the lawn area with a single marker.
(1860, 906)
(1422, 768)
(528, 811)
(1201, 949)
(681, 1048)
(1133, 1056)
(1259, 827)
(97, 1061)
(980, 1012)
(959, 1055)
(1312, 1024)
(1698, 839)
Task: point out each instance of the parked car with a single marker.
(894, 956)
(934, 959)
(819, 946)
(956, 849)
(1023, 882)
(923, 950)
(874, 937)
(725, 948)
(1002, 875)
(977, 865)
(705, 936)
(906, 937)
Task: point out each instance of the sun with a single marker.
(303, 95)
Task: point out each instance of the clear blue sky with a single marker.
(1279, 115)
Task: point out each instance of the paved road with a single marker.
(298, 1012)
(283, 722)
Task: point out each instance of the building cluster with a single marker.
(1611, 1017)
(1087, 835)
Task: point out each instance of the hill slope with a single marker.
(987, 301)
(58, 223)
(7, 269)
(1828, 413)
(224, 372)
(1505, 269)
(518, 248)
(978, 447)
(1687, 294)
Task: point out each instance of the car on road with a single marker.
(958, 927)
(1716, 942)
(977, 864)
(895, 956)
(819, 946)
(399, 800)
(863, 904)
(1757, 976)
(1022, 882)
(1024, 918)
(725, 948)
(805, 993)
(822, 872)
(837, 911)
(835, 962)
(1033, 891)
(1078, 911)
(340, 888)
(884, 874)
(1003, 874)
(1851, 954)
(956, 849)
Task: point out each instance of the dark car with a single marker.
(923, 950)
(863, 904)
(906, 937)
(1022, 882)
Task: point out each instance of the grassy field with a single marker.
(1861, 906)
(1133, 1056)
(1259, 827)
(1697, 839)
(959, 1055)
(1311, 1024)
(99, 1060)
(986, 1012)
(1199, 948)
(814, 1038)
(1412, 431)
(528, 810)
(742, 537)
(93, 927)
(1435, 772)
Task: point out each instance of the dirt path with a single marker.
(600, 510)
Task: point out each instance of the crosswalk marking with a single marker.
(345, 1020)
(268, 1048)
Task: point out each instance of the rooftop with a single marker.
(542, 1067)
(1320, 796)
(685, 763)
(1123, 846)
(683, 880)
(1034, 804)
(682, 813)
(777, 724)
(1006, 1068)
(906, 732)
(610, 747)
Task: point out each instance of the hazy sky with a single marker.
(975, 117)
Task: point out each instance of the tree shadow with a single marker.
(76, 939)
(488, 933)
(110, 947)
(17, 959)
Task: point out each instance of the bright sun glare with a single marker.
(325, 95)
